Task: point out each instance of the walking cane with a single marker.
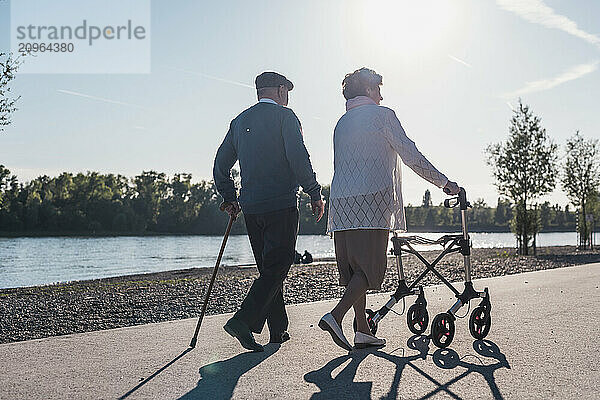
(212, 281)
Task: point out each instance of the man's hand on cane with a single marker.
(318, 208)
(231, 207)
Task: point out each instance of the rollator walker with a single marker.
(417, 317)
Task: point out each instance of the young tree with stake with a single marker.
(524, 168)
(581, 179)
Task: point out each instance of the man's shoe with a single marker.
(241, 332)
(280, 337)
(329, 324)
(363, 340)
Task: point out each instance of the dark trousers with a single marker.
(273, 240)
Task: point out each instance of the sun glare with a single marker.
(416, 27)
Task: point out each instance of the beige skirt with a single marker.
(362, 250)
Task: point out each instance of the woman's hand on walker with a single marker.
(318, 208)
(451, 188)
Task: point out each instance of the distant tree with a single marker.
(559, 218)
(4, 183)
(180, 208)
(570, 216)
(430, 217)
(418, 216)
(480, 202)
(482, 214)
(503, 212)
(545, 215)
(8, 68)
(427, 199)
(581, 178)
(445, 216)
(524, 168)
(151, 190)
(8, 190)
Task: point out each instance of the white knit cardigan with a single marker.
(366, 191)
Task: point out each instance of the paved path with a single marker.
(544, 343)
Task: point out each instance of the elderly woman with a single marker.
(366, 198)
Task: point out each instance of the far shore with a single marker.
(83, 306)
(436, 229)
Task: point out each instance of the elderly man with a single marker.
(267, 140)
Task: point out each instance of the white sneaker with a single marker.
(363, 340)
(329, 324)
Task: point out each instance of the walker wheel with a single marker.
(442, 330)
(480, 322)
(417, 318)
(372, 325)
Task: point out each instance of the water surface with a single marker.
(36, 261)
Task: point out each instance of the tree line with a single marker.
(95, 203)
(484, 218)
(153, 203)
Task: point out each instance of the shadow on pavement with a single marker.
(572, 259)
(161, 369)
(344, 387)
(219, 379)
(448, 359)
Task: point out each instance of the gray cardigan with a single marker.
(366, 191)
(267, 140)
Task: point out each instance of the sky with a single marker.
(452, 70)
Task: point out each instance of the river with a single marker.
(37, 261)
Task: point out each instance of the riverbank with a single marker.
(42, 311)
(102, 234)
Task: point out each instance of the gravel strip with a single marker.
(83, 306)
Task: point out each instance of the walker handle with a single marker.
(461, 200)
(451, 202)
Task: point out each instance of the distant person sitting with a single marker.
(297, 258)
(267, 140)
(307, 258)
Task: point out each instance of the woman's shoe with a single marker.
(329, 324)
(363, 340)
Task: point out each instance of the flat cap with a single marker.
(272, 79)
